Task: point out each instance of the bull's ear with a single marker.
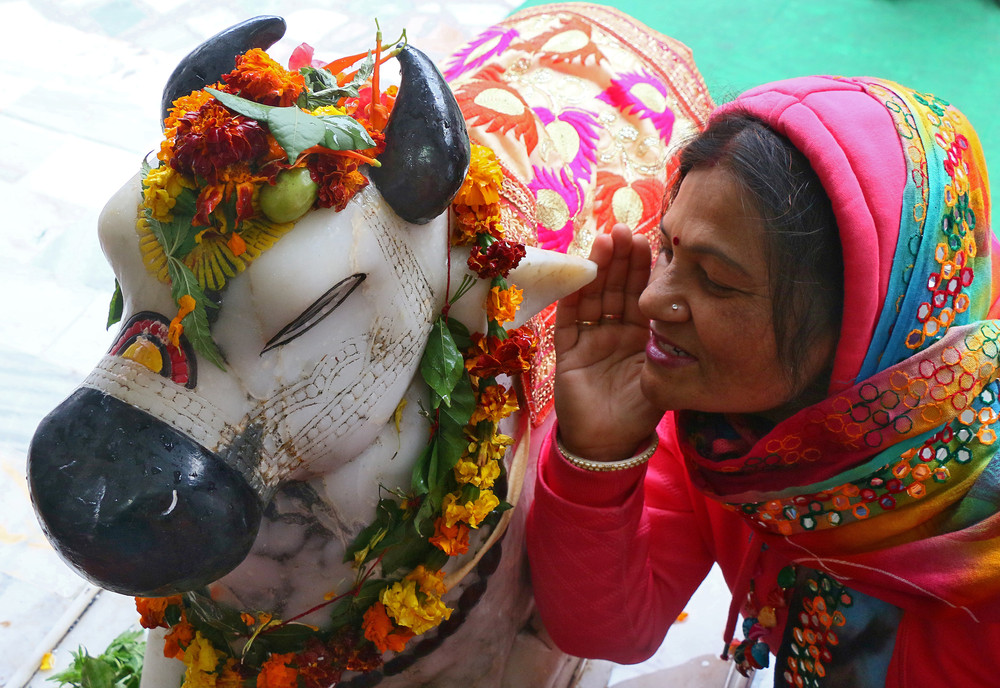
(217, 56)
(427, 151)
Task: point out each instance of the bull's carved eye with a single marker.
(316, 312)
(145, 339)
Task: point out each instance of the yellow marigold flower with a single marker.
(201, 659)
(430, 582)
(161, 187)
(467, 472)
(418, 611)
(492, 449)
(482, 183)
(452, 511)
(481, 508)
(502, 304)
(472, 513)
(329, 110)
(495, 404)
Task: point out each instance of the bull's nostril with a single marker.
(134, 506)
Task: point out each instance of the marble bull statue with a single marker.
(254, 477)
(267, 474)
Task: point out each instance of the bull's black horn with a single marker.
(217, 56)
(426, 152)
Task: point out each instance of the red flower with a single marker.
(498, 259)
(493, 356)
(212, 138)
(318, 666)
(338, 178)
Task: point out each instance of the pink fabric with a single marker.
(616, 557)
(851, 142)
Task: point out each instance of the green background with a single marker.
(947, 47)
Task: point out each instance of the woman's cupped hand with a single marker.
(600, 341)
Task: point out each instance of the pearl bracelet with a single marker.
(607, 466)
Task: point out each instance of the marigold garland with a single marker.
(416, 531)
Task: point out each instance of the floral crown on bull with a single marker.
(241, 161)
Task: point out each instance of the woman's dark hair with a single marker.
(805, 262)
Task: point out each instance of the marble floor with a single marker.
(80, 88)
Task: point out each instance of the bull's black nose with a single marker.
(132, 505)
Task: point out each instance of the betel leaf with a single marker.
(116, 306)
(419, 483)
(442, 364)
(296, 130)
(196, 327)
(451, 423)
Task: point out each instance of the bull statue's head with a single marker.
(281, 350)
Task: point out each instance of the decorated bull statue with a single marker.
(303, 451)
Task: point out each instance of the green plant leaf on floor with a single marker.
(120, 666)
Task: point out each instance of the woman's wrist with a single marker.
(602, 466)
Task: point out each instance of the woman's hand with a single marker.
(600, 341)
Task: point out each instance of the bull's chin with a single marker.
(131, 504)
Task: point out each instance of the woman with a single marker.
(817, 328)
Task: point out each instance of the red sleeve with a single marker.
(615, 556)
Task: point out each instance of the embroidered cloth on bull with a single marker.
(892, 484)
(583, 107)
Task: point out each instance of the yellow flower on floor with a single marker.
(502, 304)
(201, 660)
(415, 601)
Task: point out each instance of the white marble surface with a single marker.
(80, 83)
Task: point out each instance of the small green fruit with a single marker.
(293, 193)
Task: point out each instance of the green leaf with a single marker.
(247, 108)
(296, 130)
(412, 550)
(96, 673)
(322, 87)
(387, 515)
(345, 133)
(451, 423)
(419, 482)
(195, 323)
(350, 609)
(442, 364)
(116, 306)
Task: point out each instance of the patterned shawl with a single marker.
(892, 482)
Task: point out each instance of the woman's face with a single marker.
(716, 351)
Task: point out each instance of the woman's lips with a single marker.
(665, 353)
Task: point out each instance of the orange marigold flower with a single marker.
(177, 639)
(259, 78)
(495, 403)
(276, 672)
(338, 179)
(211, 139)
(229, 677)
(452, 540)
(152, 609)
(502, 304)
(482, 184)
(470, 222)
(380, 629)
(491, 356)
